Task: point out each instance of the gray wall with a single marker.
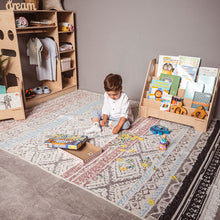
(122, 36)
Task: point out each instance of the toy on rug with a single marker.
(158, 129)
(199, 113)
(179, 109)
(66, 141)
(163, 143)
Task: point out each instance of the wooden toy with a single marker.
(163, 143)
(151, 108)
(199, 113)
(178, 109)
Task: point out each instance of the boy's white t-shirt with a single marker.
(47, 69)
(117, 108)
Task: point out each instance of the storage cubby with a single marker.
(151, 108)
(68, 75)
(13, 40)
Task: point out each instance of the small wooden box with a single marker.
(65, 63)
(86, 153)
(151, 108)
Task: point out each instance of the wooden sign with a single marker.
(19, 6)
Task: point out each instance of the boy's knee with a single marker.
(96, 114)
(126, 125)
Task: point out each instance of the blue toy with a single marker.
(158, 129)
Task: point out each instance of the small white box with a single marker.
(65, 63)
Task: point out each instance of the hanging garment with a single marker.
(34, 48)
(47, 69)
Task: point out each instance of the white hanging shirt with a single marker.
(34, 48)
(117, 108)
(47, 69)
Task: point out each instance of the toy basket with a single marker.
(65, 63)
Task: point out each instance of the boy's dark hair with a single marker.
(113, 82)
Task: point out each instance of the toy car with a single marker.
(158, 129)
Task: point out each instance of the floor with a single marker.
(28, 192)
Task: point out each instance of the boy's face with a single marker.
(114, 94)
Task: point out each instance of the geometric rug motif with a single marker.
(131, 172)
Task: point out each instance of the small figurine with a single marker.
(163, 143)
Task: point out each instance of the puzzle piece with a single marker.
(151, 202)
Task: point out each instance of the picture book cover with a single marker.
(187, 69)
(191, 88)
(176, 100)
(208, 81)
(157, 88)
(201, 98)
(175, 80)
(166, 102)
(208, 71)
(10, 101)
(189, 61)
(167, 64)
(66, 141)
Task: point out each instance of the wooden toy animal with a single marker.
(178, 109)
(199, 113)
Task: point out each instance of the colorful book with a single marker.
(166, 102)
(10, 101)
(176, 100)
(201, 98)
(167, 64)
(2, 89)
(66, 141)
(208, 81)
(187, 69)
(157, 88)
(191, 88)
(175, 80)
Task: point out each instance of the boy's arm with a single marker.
(117, 128)
(104, 120)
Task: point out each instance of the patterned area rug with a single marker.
(131, 172)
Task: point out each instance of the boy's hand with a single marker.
(104, 120)
(116, 129)
(103, 123)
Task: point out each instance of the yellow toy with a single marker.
(199, 113)
(179, 109)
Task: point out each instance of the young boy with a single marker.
(116, 111)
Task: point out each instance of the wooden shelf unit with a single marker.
(10, 43)
(151, 108)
